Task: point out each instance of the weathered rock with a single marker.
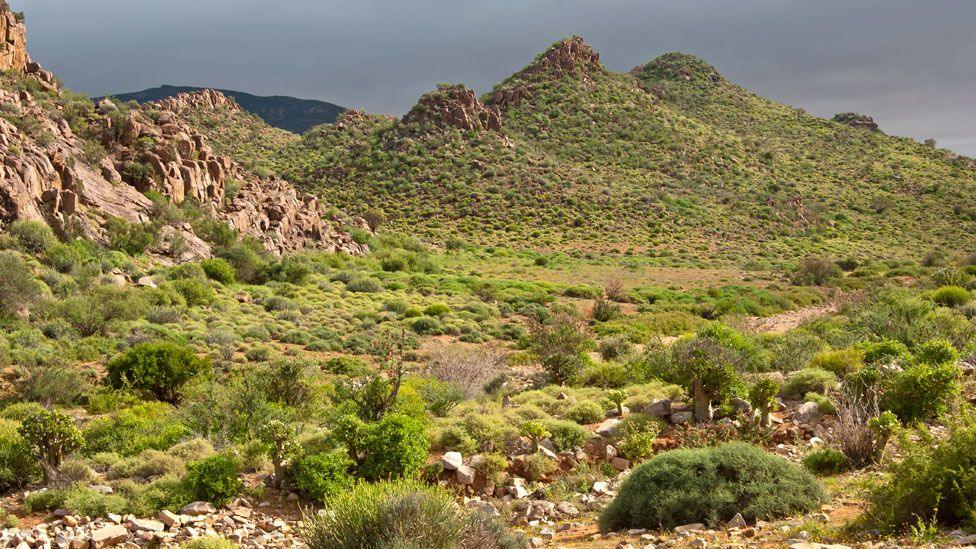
(108, 536)
(620, 463)
(693, 527)
(608, 428)
(452, 461)
(198, 508)
(808, 413)
(659, 408)
(736, 522)
(567, 509)
(453, 106)
(465, 474)
(856, 120)
(680, 418)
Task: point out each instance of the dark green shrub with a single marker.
(934, 482)
(840, 361)
(440, 397)
(560, 344)
(951, 296)
(609, 375)
(437, 310)
(18, 287)
(426, 325)
(214, 479)
(826, 461)
(637, 434)
(34, 237)
(158, 368)
(293, 270)
(566, 435)
(936, 352)
(613, 348)
(809, 380)
(395, 446)
(711, 485)
(321, 476)
(18, 464)
(127, 432)
(815, 272)
(883, 351)
(219, 270)
(131, 238)
(195, 291)
(922, 391)
(399, 514)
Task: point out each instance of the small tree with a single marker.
(560, 344)
(51, 436)
(159, 368)
(536, 431)
(375, 218)
(281, 437)
(706, 369)
(762, 396)
(617, 398)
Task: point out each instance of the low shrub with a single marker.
(34, 237)
(214, 479)
(609, 375)
(711, 485)
(840, 361)
(951, 296)
(400, 514)
(585, 413)
(209, 542)
(935, 482)
(809, 380)
(922, 391)
(321, 476)
(536, 467)
(219, 270)
(826, 461)
(566, 435)
(395, 446)
(158, 368)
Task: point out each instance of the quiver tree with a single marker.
(281, 437)
(51, 436)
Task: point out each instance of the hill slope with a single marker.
(288, 113)
(669, 160)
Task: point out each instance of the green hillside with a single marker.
(669, 160)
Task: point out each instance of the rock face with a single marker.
(13, 47)
(568, 56)
(856, 120)
(49, 174)
(453, 106)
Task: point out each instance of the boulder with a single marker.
(608, 428)
(108, 536)
(452, 461)
(465, 474)
(808, 413)
(198, 508)
(659, 408)
(680, 418)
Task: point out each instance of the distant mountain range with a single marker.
(288, 113)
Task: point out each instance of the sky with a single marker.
(910, 64)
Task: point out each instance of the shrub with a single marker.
(131, 238)
(566, 435)
(214, 479)
(426, 325)
(934, 483)
(470, 368)
(440, 397)
(560, 345)
(613, 348)
(705, 367)
(158, 368)
(883, 351)
(395, 446)
(195, 291)
(536, 467)
(607, 375)
(826, 461)
(840, 362)
(862, 430)
(34, 237)
(219, 270)
(364, 285)
(815, 272)
(18, 464)
(437, 310)
(127, 432)
(809, 380)
(936, 352)
(637, 436)
(399, 514)
(762, 396)
(321, 476)
(586, 412)
(711, 485)
(951, 296)
(209, 542)
(922, 391)
(18, 286)
(51, 436)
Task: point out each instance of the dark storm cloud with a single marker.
(910, 64)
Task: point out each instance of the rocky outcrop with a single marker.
(453, 106)
(13, 41)
(49, 174)
(568, 56)
(856, 120)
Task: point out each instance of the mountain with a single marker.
(288, 113)
(670, 160)
(140, 178)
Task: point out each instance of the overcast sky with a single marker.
(909, 63)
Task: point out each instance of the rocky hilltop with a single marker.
(13, 40)
(76, 183)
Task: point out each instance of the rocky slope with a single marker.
(287, 113)
(77, 182)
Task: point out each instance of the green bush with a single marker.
(826, 461)
(951, 296)
(34, 237)
(364, 285)
(609, 375)
(219, 270)
(536, 467)
(809, 380)
(922, 391)
(566, 435)
(638, 433)
(711, 485)
(50, 436)
(127, 432)
(401, 514)
(440, 397)
(935, 482)
(321, 476)
(426, 325)
(131, 238)
(18, 465)
(158, 368)
(840, 362)
(586, 412)
(395, 446)
(214, 479)
(197, 292)
(18, 286)
(883, 351)
(936, 352)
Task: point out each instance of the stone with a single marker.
(620, 463)
(608, 428)
(146, 281)
(146, 525)
(736, 522)
(452, 460)
(740, 405)
(680, 418)
(808, 413)
(108, 536)
(198, 508)
(465, 474)
(169, 518)
(693, 527)
(659, 408)
(567, 508)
